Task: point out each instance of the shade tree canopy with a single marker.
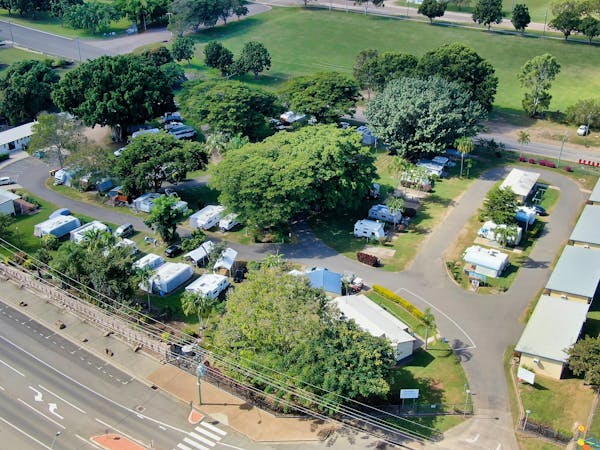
(117, 91)
(183, 48)
(423, 115)
(216, 55)
(520, 17)
(327, 96)
(229, 107)
(254, 58)
(500, 206)
(165, 216)
(25, 90)
(584, 359)
(315, 169)
(432, 9)
(536, 77)
(487, 12)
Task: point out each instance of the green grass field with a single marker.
(11, 55)
(305, 41)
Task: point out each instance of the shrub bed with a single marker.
(365, 258)
(384, 292)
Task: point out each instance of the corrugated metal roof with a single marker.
(372, 318)
(587, 228)
(485, 257)
(325, 279)
(577, 272)
(553, 327)
(20, 132)
(520, 181)
(595, 195)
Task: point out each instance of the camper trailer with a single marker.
(209, 284)
(58, 226)
(207, 217)
(382, 212)
(370, 229)
(168, 277)
(78, 235)
(150, 260)
(228, 222)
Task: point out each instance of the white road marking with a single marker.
(87, 388)
(183, 447)
(25, 433)
(12, 368)
(2, 389)
(202, 439)
(213, 428)
(162, 428)
(42, 414)
(216, 437)
(60, 398)
(120, 432)
(473, 440)
(499, 447)
(38, 395)
(447, 317)
(88, 442)
(52, 407)
(194, 444)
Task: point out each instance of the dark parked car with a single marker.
(173, 250)
(238, 277)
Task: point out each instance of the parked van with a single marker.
(5, 180)
(228, 222)
(124, 230)
(370, 229)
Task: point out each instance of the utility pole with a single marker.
(545, 21)
(12, 38)
(562, 144)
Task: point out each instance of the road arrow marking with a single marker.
(473, 440)
(52, 408)
(38, 395)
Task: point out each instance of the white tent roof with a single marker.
(200, 252)
(226, 259)
(372, 318)
(553, 327)
(56, 222)
(489, 258)
(520, 181)
(16, 133)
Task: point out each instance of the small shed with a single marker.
(200, 255)
(521, 182)
(7, 202)
(168, 277)
(209, 284)
(226, 260)
(321, 278)
(375, 320)
(485, 261)
(150, 260)
(78, 235)
(145, 202)
(554, 326)
(207, 217)
(576, 275)
(59, 226)
(595, 195)
(587, 232)
(16, 138)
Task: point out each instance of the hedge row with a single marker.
(384, 292)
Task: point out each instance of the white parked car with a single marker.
(118, 152)
(583, 130)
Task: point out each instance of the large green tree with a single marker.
(457, 62)
(93, 16)
(25, 90)
(327, 96)
(57, 134)
(192, 14)
(229, 106)
(183, 48)
(584, 112)
(164, 217)
(590, 27)
(117, 91)
(278, 321)
(423, 115)
(390, 66)
(143, 12)
(254, 58)
(536, 76)
(520, 17)
(362, 69)
(216, 55)
(487, 12)
(432, 9)
(152, 159)
(567, 16)
(500, 206)
(584, 359)
(320, 168)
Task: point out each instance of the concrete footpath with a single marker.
(256, 424)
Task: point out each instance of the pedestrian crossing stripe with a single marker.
(213, 428)
(194, 444)
(202, 439)
(205, 432)
(199, 438)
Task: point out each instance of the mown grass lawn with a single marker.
(303, 41)
(10, 55)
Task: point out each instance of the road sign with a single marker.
(201, 370)
(526, 375)
(409, 393)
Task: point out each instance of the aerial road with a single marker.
(56, 395)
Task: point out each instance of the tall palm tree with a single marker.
(429, 321)
(464, 145)
(143, 275)
(196, 303)
(398, 165)
(523, 138)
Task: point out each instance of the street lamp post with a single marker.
(12, 38)
(200, 372)
(562, 144)
(467, 393)
(54, 440)
(527, 412)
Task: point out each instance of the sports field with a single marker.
(305, 41)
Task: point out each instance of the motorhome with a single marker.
(370, 229)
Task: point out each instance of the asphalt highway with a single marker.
(49, 385)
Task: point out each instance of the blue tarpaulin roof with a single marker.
(323, 278)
